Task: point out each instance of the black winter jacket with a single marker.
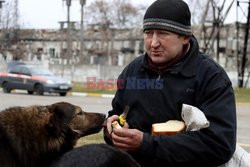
(157, 97)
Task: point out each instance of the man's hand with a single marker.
(127, 139)
(108, 129)
(110, 120)
(124, 138)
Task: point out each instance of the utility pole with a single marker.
(1, 5)
(244, 57)
(218, 27)
(69, 40)
(16, 15)
(62, 39)
(237, 40)
(82, 3)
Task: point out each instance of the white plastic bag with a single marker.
(194, 118)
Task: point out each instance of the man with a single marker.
(181, 75)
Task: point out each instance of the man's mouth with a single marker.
(156, 53)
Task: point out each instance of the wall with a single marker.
(80, 73)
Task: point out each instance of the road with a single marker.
(103, 105)
(88, 104)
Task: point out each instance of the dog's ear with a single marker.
(61, 115)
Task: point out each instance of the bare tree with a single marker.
(118, 13)
(100, 15)
(109, 15)
(124, 13)
(98, 12)
(9, 30)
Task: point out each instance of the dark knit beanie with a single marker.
(170, 15)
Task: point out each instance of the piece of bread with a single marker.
(170, 127)
(116, 125)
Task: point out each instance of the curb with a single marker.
(91, 95)
(244, 145)
(76, 94)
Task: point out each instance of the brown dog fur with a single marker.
(37, 135)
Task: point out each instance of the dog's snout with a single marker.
(103, 116)
(104, 120)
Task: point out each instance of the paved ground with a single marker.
(243, 125)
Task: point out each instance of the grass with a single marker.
(91, 139)
(242, 95)
(82, 87)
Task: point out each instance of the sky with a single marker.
(47, 13)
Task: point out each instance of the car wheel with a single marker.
(63, 93)
(30, 92)
(6, 88)
(39, 89)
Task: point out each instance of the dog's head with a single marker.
(67, 117)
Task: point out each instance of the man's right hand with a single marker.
(110, 120)
(108, 129)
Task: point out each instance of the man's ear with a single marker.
(186, 39)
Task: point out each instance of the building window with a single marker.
(39, 51)
(52, 52)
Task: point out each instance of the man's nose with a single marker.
(155, 41)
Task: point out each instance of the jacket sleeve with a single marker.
(211, 146)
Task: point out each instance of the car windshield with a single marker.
(40, 71)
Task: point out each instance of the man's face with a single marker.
(163, 46)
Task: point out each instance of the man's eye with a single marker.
(163, 32)
(148, 32)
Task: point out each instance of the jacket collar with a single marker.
(187, 66)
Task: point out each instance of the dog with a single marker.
(34, 136)
(95, 155)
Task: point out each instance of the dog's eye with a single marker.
(80, 113)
